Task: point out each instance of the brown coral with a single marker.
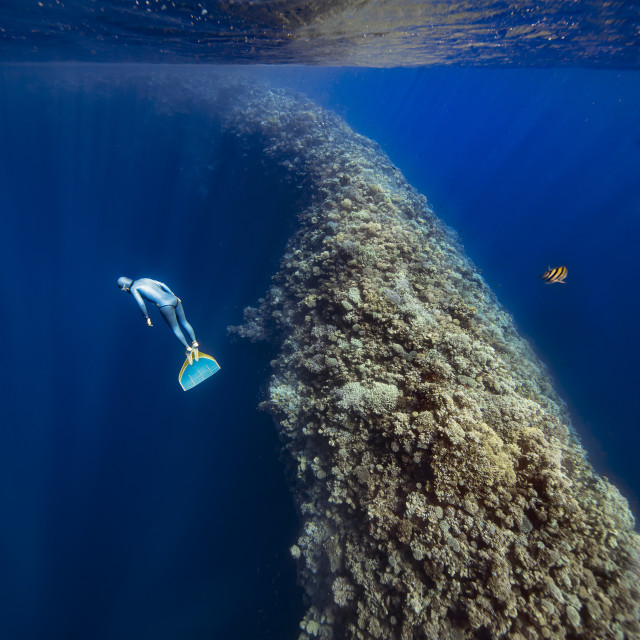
(442, 491)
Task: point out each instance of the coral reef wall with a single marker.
(441, 489)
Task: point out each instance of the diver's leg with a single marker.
(188, 328)
(183, 321)
(169, 314)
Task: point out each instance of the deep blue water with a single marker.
(131, 510)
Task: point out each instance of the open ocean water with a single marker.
(131, 510)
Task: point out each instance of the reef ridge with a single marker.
(442, 490)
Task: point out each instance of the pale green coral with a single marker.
(378, 397)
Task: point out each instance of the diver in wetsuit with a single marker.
(170, 307)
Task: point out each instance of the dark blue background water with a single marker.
(131, 510)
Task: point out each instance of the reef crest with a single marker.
(442, 490)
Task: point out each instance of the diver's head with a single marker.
(125, 283)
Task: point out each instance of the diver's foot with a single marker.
(194, 346)
(189, 354)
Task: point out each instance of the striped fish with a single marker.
(558, 274)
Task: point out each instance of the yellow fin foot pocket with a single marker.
(194, 373)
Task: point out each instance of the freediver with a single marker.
(170, 307)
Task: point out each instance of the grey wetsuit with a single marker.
(168, 303)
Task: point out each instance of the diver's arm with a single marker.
(164, 287)
(142, 306)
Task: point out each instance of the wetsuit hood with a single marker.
(125, 283)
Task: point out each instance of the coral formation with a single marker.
(442, 490)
